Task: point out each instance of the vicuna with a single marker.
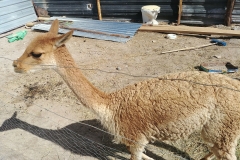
(165, 108)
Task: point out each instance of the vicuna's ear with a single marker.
(63, 38)
(54, 27)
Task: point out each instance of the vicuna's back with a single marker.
(174, 106)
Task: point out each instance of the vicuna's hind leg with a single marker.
(224, 152)
(223, 145)
(209, 156)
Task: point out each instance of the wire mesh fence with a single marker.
(41, 118)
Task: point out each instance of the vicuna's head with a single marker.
(41, 50)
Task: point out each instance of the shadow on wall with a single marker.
(82, 139)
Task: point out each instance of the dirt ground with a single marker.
(40, 118)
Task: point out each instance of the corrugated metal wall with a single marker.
(236, 12)
(132, 9)
(15, 14)
(203, 11)
(111, 9)
(71, 8)
(194, 11)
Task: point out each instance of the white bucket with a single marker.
(150, 13)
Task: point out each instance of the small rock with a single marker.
(153, 41)
(118, 68)
(208, 37)
(217, 56)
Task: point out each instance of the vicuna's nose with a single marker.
(14, 63)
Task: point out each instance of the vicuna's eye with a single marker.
(35, 55)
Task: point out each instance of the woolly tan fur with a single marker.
(165, 108)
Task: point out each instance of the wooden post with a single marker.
(179, 12)
(99, 10)
(228, 16)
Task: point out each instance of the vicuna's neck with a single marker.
(89, 95)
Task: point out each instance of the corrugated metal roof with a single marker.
(203, 11)
(111, 9)
(15, 14)
(127, 30)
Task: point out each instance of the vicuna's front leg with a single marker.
(137, 148)
(145, 157)
(136, 152)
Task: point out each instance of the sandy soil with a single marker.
(40, 118)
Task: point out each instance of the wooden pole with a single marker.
(99, 10)
(228, 16)
(189, 48)
(179, 12)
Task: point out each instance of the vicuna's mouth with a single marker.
(16, 68)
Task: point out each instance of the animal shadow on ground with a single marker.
(81, 138)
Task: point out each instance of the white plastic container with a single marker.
(171, 36)
(150, 13)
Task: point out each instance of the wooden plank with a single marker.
(179, 12)
(189, 30)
